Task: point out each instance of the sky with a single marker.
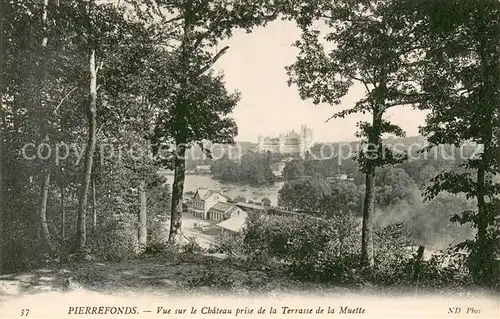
(254, 65)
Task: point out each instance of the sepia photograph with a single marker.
(250, 158)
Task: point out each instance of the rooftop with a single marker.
(223, 207)
(234, 224)
(206, 193)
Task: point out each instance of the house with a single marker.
(234, 224)
(204, 199)
(222, 211)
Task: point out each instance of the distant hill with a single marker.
(197, 157)
(345, 148)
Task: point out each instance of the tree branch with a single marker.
(62, 100)
(200, 38)
(175, 19)
(211, 63)
(99, 67)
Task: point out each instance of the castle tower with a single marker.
(281, 145)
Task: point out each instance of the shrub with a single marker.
(313, 248)
(158, 229)
(192, 246)
(229, 245)
(395, 262)
(446, 269)
(115, 238)
(327, 250)
(394, 254)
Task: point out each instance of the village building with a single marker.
(234, 224)
(204, 199)
(222, 211)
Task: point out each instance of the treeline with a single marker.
(397, 199)
(253, 168)
(334, 159)
(210, 152)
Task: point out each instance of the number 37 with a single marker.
(24, 312)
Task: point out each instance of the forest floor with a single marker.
(178, 274)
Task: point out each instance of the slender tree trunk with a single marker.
(1, 157)
(367, 254)
(44, 233)
(177, 191)
(42, 216)
(2, 128)
(81, 231)
(143, 213)
(63, 216)
(367, 258)
(94, 208)
(181, 131)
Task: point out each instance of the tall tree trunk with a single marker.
(143, 214)
(181, 130)
(42, 213)
(367, 258)
(81, 231)
(177, 191)
(94, 208)
(63, 213)
(484, 252)
(2, 127)
(367, 254)
(45, 184)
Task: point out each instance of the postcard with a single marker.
(250, 159)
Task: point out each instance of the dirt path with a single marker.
(176, 275)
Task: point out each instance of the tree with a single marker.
(393, 184)
(196, 99)
(240, 199)
(294, 169)
(372, 46)
(461, 80)
(105, 31)
(266, 202)
(45, 180)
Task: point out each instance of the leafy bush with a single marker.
(229, 245)
(115, 238)
(157, 229)
(313, 248)
(446, 269)
(192, 246)
(394, 254)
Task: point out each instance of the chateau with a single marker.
(292, 143)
